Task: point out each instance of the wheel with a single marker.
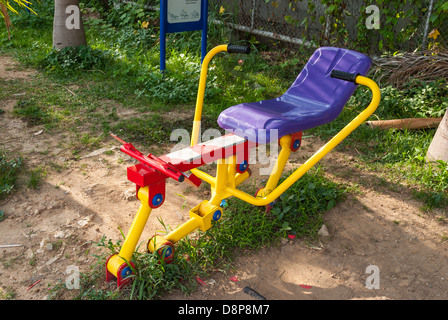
(217, 215)
(242, 167)
(124, 271)
(164, 248)
(296, 145)
(166, 252)
(123, 274)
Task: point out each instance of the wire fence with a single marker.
(362, 24)
(401, 25)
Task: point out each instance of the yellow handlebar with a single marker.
(201, 92)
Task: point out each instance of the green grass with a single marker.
(35, 177)
(9, 170)
(32, 112)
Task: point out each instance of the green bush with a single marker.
(417, 100)
(75, 59)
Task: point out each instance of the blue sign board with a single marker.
(179, 16)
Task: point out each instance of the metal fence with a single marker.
(312, 23)
(309, 23)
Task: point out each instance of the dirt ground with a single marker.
(380, 245)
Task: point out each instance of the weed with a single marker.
(30, 111)
(33, 261)
(10, 263)
(300, 208)
(9, 170)
(35, 177)
(86, 141)
(431, 199)
(9, 294)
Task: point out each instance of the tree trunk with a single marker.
(68, 29)
(438, 149)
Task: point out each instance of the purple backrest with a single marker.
(314, 81)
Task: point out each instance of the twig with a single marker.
(424, 66)
(10, 245)
(56, 84)
(34, 284)
(53, 259)
(98, 71)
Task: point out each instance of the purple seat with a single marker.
(312, 100)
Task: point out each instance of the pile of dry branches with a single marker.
(399, 69)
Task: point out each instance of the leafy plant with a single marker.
(43, 15)
(300, 208)
(75, 59)
(35, 177)
(439, 13)
(125, 14)
(417, 100)
(5, 6)
(400, 23)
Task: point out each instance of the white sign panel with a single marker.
(184, 11)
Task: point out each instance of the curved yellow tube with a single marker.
(201, 92)
(296, 175)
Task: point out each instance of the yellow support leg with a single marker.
(201, 217)
(133, 236)
(183, 230)
(283, 156)
(222, 178)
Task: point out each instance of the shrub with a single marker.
(76, 58)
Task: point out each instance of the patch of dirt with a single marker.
(11, 70)
(380, 229)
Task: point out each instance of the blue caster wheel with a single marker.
(164, 248)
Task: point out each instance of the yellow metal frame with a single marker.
(227, 179)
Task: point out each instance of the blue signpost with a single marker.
(179, 16)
